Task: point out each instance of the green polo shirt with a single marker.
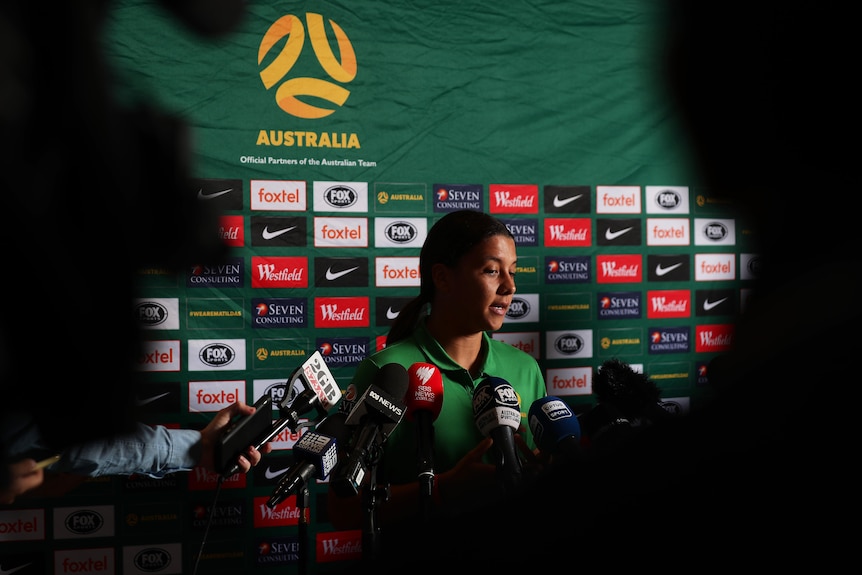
(455, 431)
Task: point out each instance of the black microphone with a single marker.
(555, 427)
(377, 413)
(310, 387)
(315, 455)
(497, 413)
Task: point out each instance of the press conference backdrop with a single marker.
(331, 136)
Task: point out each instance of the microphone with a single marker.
(315, 455)
(311, 387)
(424, 399)
(377, 412)
(497, 413)
(555, 427)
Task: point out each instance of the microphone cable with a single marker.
(209, 522)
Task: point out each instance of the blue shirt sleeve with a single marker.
(155, 451)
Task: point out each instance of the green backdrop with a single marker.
(354, 126)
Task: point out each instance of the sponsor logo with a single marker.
(524, 230)
(528, 342)
(158, 313)
(161, 355)
(340, 232)
(228, 274)
(227, 354)
(668, 268)
(153, 559)
(396, 272)
(278, 195)
(667, 231)
(618, 199)
(400, 232)
(666, 199)
(218, 194)
(713, 338)
(714, 267)
(341, 312)
(279, 272)
(567, 199)
(277, 62)
(618, 305)
(568, 232)
(341, 272)
(714, 232)
(206, 396)
(669, 340)
(668, 304)
(622, 268)
(514, 198)
(387, 309)
(452, 197)
(523, 308)
(279, 312)
(231, 230)
(618, 232)
(568, 269)
(569, 344)
(569, 381)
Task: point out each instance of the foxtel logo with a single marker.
(514, 198)
(22, 525)
(278, 195)
(396, 272)
(526, 341)
(340, 232)
(618, 199)
(163, 355)
(569, 381)
(206, 396)
(714, 267)
(668, 232)
(341, 312)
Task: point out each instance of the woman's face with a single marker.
(479, 290)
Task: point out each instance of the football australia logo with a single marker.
(301, 96)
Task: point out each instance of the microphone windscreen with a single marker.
(425, 391)
(552, 421)
(496, 404)
(393, 379)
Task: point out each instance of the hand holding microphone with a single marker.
(497, 413)
(310, 387)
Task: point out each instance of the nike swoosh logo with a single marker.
(270, 474)
(708, 305)
(203, 196)
(391, 314)
(268, 235)
(144, 401)
(14, 569)
(609, 235)
(560, 202)
(331, 275)
(660, 271)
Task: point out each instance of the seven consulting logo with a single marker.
(290, 33)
